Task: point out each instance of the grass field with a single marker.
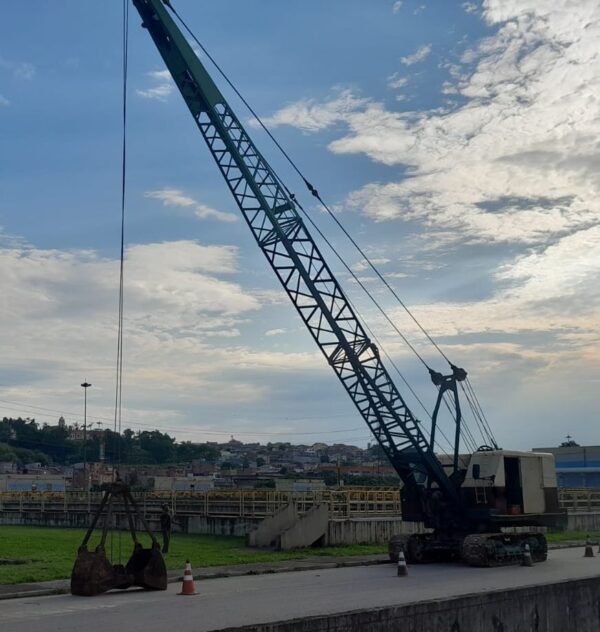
(46, 554)
(43, 554)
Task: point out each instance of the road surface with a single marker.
(237, 601)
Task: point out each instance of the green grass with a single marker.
(566, 536)
(50, 553)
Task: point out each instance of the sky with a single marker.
(456, 141)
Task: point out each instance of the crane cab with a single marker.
(511, 484)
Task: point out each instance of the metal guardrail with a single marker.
(577, 500)
(235, 503)
(346, 503)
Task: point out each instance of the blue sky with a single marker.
(456, 140)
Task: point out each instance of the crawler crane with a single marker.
(464, 500)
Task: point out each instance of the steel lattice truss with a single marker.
(296, 260)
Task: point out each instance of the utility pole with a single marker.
(85, 386)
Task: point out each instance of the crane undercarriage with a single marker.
(474, 549)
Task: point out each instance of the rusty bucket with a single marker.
(93, 573)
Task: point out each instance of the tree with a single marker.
(6, 453)
(159, 445)
(188, 451)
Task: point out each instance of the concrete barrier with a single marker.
(215, 525)
(571, 606)
(268, 531)
(307, 530)
(584, 521)
(368, 530)
(373, 530)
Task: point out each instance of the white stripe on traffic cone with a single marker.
(402, 568)
(187, 585)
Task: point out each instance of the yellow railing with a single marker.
(579, 499)
(231, 503)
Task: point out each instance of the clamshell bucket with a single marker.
(93, 573)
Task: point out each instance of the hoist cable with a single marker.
(119, 359)
(360, 283)
(406, 382)
(484, 429)
(484, 418)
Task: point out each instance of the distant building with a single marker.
(299, 485)
(32, 483)
(96, 475)
(76, 433)
(576, 466)
(184, 483)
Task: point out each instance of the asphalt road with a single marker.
(237, 601)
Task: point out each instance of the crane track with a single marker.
(501, 549)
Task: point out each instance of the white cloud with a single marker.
(552, 294)
(19, 69)
(60, 322)
(419, 55)
(4, 101)
(275, 332)
(163, 87)
(518, 161)
(175, 197)
(397, 6)
(469, 7)
(310, 116)
(394, 81)
(363, 265)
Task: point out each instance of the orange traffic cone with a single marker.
(187, 586)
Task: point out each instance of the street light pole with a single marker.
(85, 386)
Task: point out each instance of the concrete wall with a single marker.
(267, 531)
(307, 530)
(208, 525)
(584, 521)
(46, 519)
(352, 531)
(368, 530)
(572, 606)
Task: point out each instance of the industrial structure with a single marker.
(576, 466)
